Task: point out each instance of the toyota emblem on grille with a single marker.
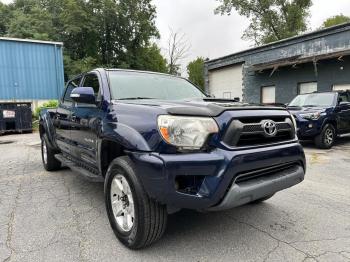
(269, 127)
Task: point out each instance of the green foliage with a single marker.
(149, 58)
(336, 20)
(195, 70)
(75, 67)
(4, 18)
(49, 104)
(95, 33)
(271, 20)
(35, 24)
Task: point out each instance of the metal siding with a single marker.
(30, 71)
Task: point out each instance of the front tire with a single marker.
(48, 156)
(136, 220)
(326, 139)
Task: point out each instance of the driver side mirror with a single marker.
(84, 95)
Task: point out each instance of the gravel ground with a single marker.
(61, 217)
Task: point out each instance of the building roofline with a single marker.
(287, 41)
(30, 41)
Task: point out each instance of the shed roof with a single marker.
(30, 41)
(286, 42)
(300, 59)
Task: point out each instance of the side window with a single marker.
(91, 80)
(70, 86)
(343, 97)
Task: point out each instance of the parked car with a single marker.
(322, 116)
(159, 145)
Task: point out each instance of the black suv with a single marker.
(322, 116)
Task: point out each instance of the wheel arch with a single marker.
(46, 127)
(108, 151)
(333, 122)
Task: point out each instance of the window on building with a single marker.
(70, 86)
(268, 94)
(341, 87)
(307, 88)
(227, 95)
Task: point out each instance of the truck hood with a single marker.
(198, 107)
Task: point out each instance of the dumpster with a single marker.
(15, 117)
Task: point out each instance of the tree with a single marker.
(4, 18)
(195, 70)
(336, 20)
(35, 24)
(270, 20)
(151, 59)
(74, 67)
(95, 33)
(177, 50)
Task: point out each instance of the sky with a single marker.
(213, 36)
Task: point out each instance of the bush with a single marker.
(49, 104)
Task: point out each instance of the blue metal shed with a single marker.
(30, 69)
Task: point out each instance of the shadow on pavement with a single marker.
(341, 141)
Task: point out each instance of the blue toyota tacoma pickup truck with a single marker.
(160, 145)
(322, 116)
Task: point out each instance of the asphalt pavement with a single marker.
(61, 217)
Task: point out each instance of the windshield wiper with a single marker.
(136, 98)
(309, 106)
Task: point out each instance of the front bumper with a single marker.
(219, 169)
(246, 192)
(308, 129)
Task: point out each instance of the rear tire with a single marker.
(48, 156)
(326, 139)
(137, 220)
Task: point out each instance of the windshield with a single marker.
(314, 100)
(136, 85)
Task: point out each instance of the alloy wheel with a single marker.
(122, 203)
(329, 136)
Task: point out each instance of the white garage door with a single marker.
(341, 87)
(226, 82)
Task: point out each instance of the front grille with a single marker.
(268, 171)
(250, 131)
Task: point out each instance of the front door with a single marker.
(344, 112)
(85, 124)
(62, 118)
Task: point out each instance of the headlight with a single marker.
(186, 132)
(311, 116)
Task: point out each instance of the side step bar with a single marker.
(82, 171)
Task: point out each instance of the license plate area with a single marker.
(8, 114)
